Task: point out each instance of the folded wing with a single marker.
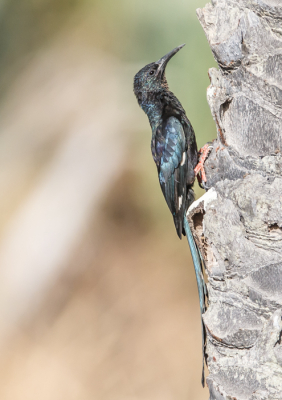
(173, 169)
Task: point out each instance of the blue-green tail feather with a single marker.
(200, 282)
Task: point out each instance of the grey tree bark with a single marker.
(238, 223)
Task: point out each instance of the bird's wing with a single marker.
(173, 168)
(173, 108)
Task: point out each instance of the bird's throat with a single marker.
(153, 109)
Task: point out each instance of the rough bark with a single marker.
(238, 222)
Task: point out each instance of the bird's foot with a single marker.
(204, 152)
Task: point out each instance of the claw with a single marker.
(204, 151)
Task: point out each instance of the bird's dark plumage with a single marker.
(173, 145)
(174, 150)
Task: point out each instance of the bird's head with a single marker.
(151, 78)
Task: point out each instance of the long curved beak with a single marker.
(162, 63)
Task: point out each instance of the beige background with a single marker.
(98, 296)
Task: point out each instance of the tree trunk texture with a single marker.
(238, 223)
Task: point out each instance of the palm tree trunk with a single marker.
(238, 223)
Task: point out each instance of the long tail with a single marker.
(200, 282)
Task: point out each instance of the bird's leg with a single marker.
(204, 151)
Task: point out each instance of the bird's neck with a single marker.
(152, 106)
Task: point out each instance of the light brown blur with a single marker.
(98, 296)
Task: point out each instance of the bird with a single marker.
(175, 153)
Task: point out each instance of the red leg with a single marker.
(204, 151)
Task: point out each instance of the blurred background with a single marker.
(98, 296)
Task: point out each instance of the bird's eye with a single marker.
(152, 72)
